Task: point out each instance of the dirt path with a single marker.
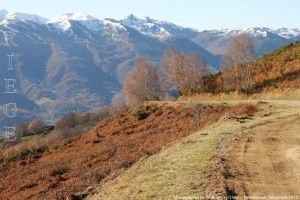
(266, 161)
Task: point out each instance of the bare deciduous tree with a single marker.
(142, 83)
(184, 71)
(236, 69)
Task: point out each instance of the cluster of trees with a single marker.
(183, 72)
(77, 123)
(70, 125)
(66, 127)
(187, 73)
(35, 127)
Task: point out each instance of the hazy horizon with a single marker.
(201, 15)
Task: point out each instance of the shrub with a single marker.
(1, 159)
(59, 171)
(24, 153)
(141, 114)
(244, 109)
(67, 122)
(76, 123)
(36, 126)
(64, 128)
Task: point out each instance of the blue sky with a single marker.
(199, 14)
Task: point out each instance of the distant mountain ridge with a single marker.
(265, 39)
(76, 62)
(145, 25)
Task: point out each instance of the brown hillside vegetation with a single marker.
(280, 69)
(113, 145)
(277, 70)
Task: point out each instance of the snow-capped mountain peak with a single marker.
(64, 21)
(288, 33)
(146, 26)
(259, 32)
(130, 18)
(8, 17)
(161, 30)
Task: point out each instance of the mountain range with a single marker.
(76, 62)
